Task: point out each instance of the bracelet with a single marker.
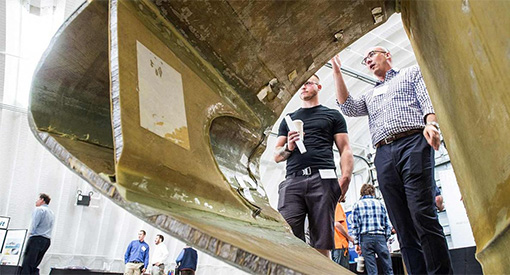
(433, 123)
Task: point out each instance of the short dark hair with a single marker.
(143, 231)
(318, 78)
(45, 197)
(161, 237)
(367, 189)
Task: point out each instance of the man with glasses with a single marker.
(404, 130)
(311, 186)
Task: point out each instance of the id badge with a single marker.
(327, 173)
(380, 90)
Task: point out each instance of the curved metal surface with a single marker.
(463, 48)
(163, 107)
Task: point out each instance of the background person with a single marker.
(340, 254)
(187, 261)
(40, 235)
(137, 255)
(371, 230)
(159, 256)
(438, 199)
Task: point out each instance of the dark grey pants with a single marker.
(405, 171)
(310, 195)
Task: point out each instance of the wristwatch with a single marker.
(433, 123)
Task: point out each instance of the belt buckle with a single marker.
(307, 171)
(388, 140)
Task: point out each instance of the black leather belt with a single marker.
(136, 262)
(304, 172)
(392, 138)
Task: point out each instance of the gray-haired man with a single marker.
(404, 131)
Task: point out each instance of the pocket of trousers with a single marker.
(281, 194)
(416, 163)
(332, 190)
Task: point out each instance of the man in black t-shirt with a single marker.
(311, 186)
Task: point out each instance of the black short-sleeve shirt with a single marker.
(320, 124)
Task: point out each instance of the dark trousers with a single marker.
(405, 171)
(317, 197)
(341, 256)
(34, 252)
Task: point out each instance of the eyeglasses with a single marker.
(370, 55)
(310, 83)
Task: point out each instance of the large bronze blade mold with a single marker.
(163, 106)
(463, 48)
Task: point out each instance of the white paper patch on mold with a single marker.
(161, 97)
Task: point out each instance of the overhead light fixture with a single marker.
(83, 200)
(378, 15)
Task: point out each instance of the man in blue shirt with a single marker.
(137, 255)
(404, 130)
(187, 261)
(371, 229)
(40, 235)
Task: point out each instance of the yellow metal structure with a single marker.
(163, 106)
(463, 48)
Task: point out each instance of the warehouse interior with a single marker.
(94, 234)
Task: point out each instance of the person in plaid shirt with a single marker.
(371, 229)
(405, 131)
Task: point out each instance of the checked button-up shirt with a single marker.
(369, 216)
(398, 104)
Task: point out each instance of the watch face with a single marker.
(433, 123)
